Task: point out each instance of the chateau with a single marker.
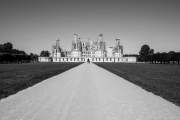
(92, 51)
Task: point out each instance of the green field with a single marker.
(162, 80)
(16, 77)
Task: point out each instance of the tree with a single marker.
(171, 56)
(35, 57)
(32, 56)
(22, 52)
(130, 55)
(150, 55)
(151, 51)
(144, 52)
(164, 57)
(8, 46)
(1, 58)
(1, 48)
(45, 53)
(177, 57)
(10, 55)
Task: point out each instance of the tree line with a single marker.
(131, 55)
(10, 55)
(147, 55)
(45, 53)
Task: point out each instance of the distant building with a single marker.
(94, 51)
(89, 48)
(44, 59)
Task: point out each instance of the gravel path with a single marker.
(86, 92)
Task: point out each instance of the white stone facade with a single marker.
(96, 59)
(76, 54)
(92, 51)
(44, 59)
(110, 52)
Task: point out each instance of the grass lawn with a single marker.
(162, 80)
(16, 77)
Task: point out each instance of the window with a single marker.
(99, 59)
(118, 59)
(106, 59)
(67, 59)
(110, 59)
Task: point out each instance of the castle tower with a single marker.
(76, 47)
(52, 55)
(75, 42)
(100, 37)
(117, 41)
(122, 49)
(57, 43)
(76, 38)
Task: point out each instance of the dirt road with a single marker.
(86, 92)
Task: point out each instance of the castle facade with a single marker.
(89, 51)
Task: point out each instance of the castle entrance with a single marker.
(88, 59)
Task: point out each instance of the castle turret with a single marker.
(100, 37)
(117, 41)
(76, 47)
(57, 43)
(76, 38)
(122, 49)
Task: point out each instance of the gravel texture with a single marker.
(86, 92)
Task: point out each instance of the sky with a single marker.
(34, 25)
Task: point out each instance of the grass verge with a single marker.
(162, 80)
(16, 77)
